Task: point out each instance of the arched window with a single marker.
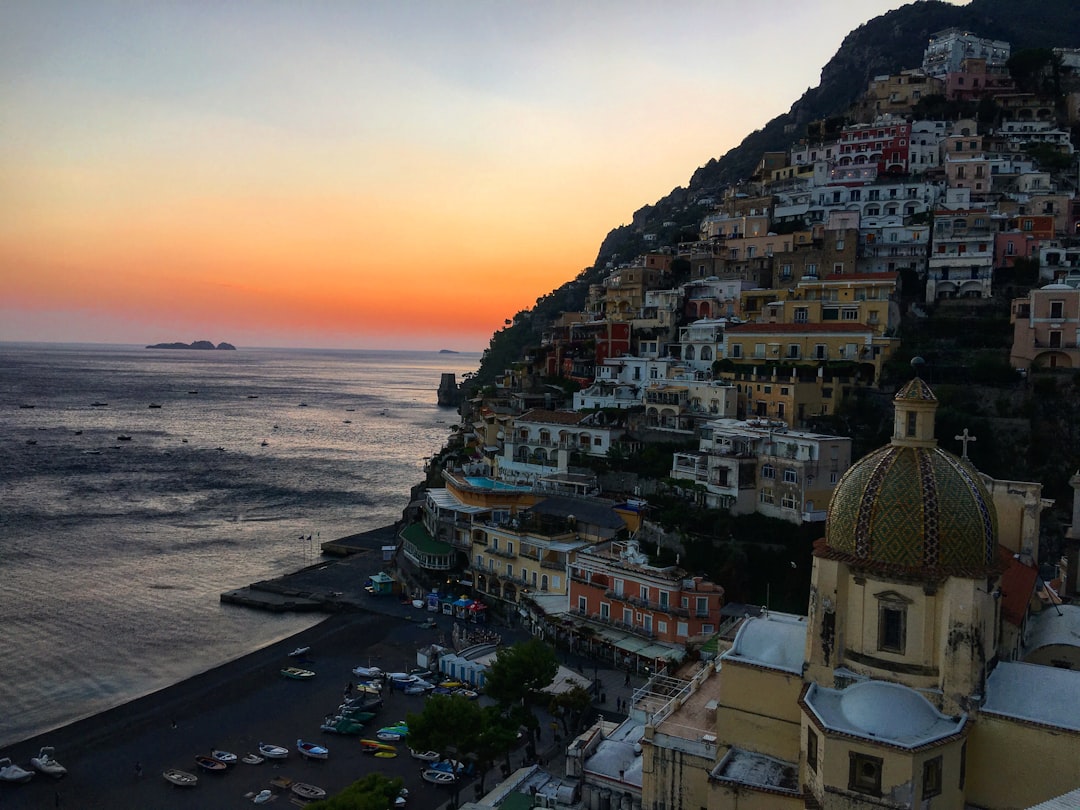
(706, 353)
(689, 354)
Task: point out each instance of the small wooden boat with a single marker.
(437, 777)
(45, 763)
(226, 757)
(273, 751)
(425, 756)
(297, 674)
(210, 764)
(308, 792)
(10, 772)
(180, 778)
(252, 759)
(312, 750)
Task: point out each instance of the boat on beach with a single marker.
(226, 757)
(437, 777)
(180, 778)
(210, 764)
(45, 763)
(378, 748)
(307, 792)
(273, 751)
(297, 674)
(252, 759)
(312, 750)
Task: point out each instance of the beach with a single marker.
(235, 707)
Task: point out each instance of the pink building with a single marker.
(884, 144)
(1046, 328)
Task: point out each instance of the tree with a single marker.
(570, 707)
(373, 792)
(519, 671)
(450, 724)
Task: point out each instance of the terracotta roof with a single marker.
(1017, 588)
(795, 328)
(552, 417)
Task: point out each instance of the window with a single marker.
(789, 502)
(931, 777)
(821, 352)
(793, 351)
(912, 422)
(582, 604)
(892, 629)
(768, 471)
(864, 773)
(628, 617)
(661, 627)
(663, 599)
(1057, 310)
(702, 609)
(791, 476)
(736, 350)
(767, 496)
(644, 592)
(682, 629)
(811, 750)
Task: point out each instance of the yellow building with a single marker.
(901, 687)
(866, 298)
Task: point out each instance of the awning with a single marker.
(632, 644)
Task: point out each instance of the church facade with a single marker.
(926, 673)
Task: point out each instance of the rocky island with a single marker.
(198, 344)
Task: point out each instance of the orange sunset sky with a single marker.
(358, 174)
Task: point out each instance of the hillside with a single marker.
(886, 44)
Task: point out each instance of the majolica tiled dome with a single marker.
(911, 504)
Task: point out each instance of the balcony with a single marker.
(646, 604)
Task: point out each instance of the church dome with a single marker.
(912, 505)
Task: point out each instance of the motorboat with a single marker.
(342, 725)
(252, 759)
(123, 437)
(10, 772)
(273, 751)
(226, 757)
(297, 674)
(263, 796)
(180, 778)
(367, 672)
(425, 756)
(307, 792)
(312, 750)
(210, 764)
(45, 763)
(299, 652)
(437, 777)
(402, 798)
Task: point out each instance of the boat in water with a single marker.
(297, 674)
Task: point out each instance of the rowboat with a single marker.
(367, 672)
(251, 759)
(437, 777)
(312, 750)
(308, 792)
(180, 778)
(297, 674)
(263, 796)
(273, 751)
(425, 756)
(210, 764)
(226, 757)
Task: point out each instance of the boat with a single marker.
(26, 406)
(342, 725)
(299, 651)
(98, 404)
(307, 792)
(45, 763)
(252, 759)
(356, 715)
(398, 731)
(273, 751)
(123, 438)
(153, 405)
(312, 750)
(263, 796)
(210, 764)
(180, 778)
(367, 672)
(264, 443)
(378, 748)
(10, 772)
(297, 674)
(425, 756)
(437, 777)
(227, 757)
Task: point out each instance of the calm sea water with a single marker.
(113, 552)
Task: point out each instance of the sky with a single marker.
(369, 174)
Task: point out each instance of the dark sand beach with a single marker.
(234, 707)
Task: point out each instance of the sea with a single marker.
(137, 485)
